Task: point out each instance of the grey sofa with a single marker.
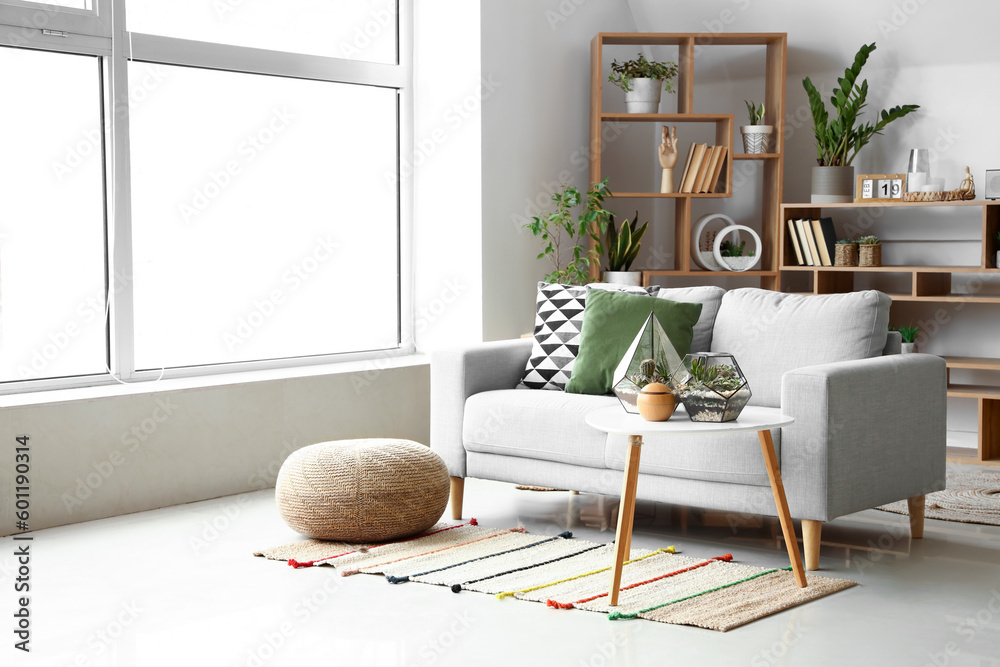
(869, 422)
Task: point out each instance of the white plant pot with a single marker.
(909, 348)
(633, 278)
(832, 185)
(644, 96)
(756, 138)
(997, 263)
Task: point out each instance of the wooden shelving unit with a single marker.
(775, 45)
(929, 284)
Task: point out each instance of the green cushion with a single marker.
(611, 321)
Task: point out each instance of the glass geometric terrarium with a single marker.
(711, 386)
(649, 359)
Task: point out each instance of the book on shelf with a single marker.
(713, 180)
(794, 234)
(711, 153)
(826, 239)
(687, 168)
(694, 164)
(804, 242)
(811, 240)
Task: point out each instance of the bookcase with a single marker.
(689, 45)
(927, 284)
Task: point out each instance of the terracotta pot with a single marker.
(656, 402)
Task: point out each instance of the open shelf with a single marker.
(708, 274)
(895, 204)
(974, 363)
(756, 156)
(892, 269)
(668, 117)
(974, 391)
(968, 455)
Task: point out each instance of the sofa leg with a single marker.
(457, 491)
(915, 505)
(811, 531)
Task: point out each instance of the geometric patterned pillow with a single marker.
(558, 321)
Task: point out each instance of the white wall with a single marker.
(939, 55)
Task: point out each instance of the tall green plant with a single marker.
(839, 139)
(557, 227)
(623, 245)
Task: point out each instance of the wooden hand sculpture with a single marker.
(967, 190)
(668, 158)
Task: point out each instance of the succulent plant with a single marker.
(648, 374)
(729, 249)
(868, 240)
(847, 242)
(722, 378)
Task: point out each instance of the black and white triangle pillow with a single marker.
(558, 321)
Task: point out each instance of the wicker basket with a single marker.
(845, 254)
(870, 255)
(362, 491)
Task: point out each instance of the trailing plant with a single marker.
(722, 378)
(755, 112)
(909, 334)
(847, 242)
(868, 240)
(839, 139)
(623, 244)
(588, 226)
(640, 68)
(649, 372)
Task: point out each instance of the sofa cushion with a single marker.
(546, 425)
(734, 458)
(611, 323)
(710, 298)
(558, 320)
(771, 333)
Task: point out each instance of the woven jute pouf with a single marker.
(362, 490)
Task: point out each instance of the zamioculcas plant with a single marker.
(623, 245)
(838, 139)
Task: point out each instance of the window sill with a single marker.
(108, 390)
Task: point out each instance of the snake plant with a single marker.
(623, 243)
(839, 139)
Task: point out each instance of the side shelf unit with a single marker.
(929, 284)
(775, 45)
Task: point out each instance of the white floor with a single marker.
(178, 586)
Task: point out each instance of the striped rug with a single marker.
(563, 573)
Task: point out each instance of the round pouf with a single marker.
(368, 490)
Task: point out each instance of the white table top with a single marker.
(614, 419)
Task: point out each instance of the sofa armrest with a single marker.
(866, 433)
(459, 373)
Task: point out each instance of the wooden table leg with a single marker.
(626, 513)
(787, 529)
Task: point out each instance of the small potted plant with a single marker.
(756, 135)
(712, 387)
(845, 253)
(869, 251)
(643, 81)
(909, 335)
(589, 225)
(622, 247)
(733, 257)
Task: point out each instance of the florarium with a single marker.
(712, 387)
(649, 359)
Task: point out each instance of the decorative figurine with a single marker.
(668, 158)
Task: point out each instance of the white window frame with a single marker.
(90, 33)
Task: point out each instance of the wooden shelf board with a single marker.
(705, 274)
(672, 195)
(975, 363)
(968, 455)
(949, 298)
(667, 117)
(973, 391)
(674, 39)
(893, 269)
(901, 204)
(756, 156)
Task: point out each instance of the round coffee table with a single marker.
(615, 420)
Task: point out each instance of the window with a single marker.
(238, 202)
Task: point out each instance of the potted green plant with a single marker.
(845, 253)
(622, 249)
(909, 335)
(839, 138)
(712, 387)
(643, 81)
(557, 227)
(756, 135)
(869, 251)
(733, 257)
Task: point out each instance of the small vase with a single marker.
(845, 254)
(756, 138)
(832, 185)
(633, 278)
(656, 402)
(644, 96)
(870, 255)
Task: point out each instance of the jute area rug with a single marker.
(564, 573)
(971, 496)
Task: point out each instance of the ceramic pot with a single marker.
(909, 348)
(756, 138)
(624, 277)
(656, 402)
(832, 185)
(644, 96)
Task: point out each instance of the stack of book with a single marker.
(703, 168)
(813, 241)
